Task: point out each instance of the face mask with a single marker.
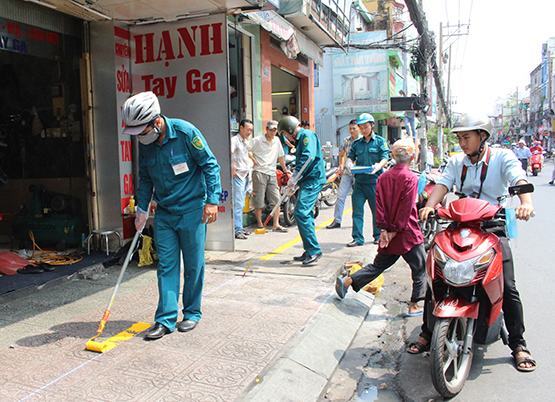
(150, 137)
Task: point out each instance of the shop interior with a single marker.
(43, 185)
(240, 78)
(286, 94)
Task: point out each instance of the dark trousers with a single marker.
(416, 258)
(524, 163)
(513, 312)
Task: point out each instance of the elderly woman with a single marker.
(400, 234)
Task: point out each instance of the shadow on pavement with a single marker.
(83, 330)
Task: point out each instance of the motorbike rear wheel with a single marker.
(450, 365)
(534, 172)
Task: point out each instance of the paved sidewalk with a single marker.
(257, 311)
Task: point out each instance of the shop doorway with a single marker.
(286, 94)
(43, 185)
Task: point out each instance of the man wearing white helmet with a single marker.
(179, 169)
(486, 173)
(400, 234)
(523, 154)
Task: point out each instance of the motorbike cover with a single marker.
(455, 307)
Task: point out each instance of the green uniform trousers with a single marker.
(304, 214)
(178, 235)
(362, 193)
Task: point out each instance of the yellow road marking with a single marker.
(123, 336)
(297, 239)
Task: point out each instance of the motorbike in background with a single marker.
(536, 163)
(289, 202)
(328, 194)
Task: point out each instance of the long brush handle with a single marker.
(295, 177)
(122, 272)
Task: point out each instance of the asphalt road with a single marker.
(493, 376)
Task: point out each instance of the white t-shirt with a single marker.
(266, 154)
(240, 155)
(504, 170)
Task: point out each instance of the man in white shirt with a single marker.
(266, 150)
(502, 170)
(523, 154)
(240, 170)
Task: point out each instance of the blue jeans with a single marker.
(345, 186)
(240, 185)
(410, 126)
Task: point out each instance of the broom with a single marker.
(284, 196)
(97, 346)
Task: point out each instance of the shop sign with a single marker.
(26, 39)
(122, 53)
(361, 82)
(185, 64)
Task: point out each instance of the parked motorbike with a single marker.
(328, 194)
(288, 204)
(536, 163)
(465, 273)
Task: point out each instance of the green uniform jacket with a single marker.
(184, 151)
(367, 153)
(308, 146)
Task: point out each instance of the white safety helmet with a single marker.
(138, 111)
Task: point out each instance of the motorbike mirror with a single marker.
(521, 189)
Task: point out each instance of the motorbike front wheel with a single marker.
(331, 196)
(450, 365)
(289, 210)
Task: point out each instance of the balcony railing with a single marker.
(333, 18)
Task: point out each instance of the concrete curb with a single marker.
(302, 372)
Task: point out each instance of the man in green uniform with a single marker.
(310, 184)
(178, 167)
(370, 150)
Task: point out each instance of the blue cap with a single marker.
(365, 118)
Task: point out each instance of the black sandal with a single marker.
(415, 348)
(519, 361)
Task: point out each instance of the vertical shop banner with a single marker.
(185, 63)
(361, 82)
(122, 53)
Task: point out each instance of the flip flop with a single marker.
(340, 287)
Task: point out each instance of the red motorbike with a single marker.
(465, 274)
(536, 163)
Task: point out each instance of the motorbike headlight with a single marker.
(459, 273)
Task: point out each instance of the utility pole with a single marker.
(445, 31)
(439, 109)
(427, 51)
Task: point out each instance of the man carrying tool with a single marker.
(344, 170)
(178, 167)
(370, 150)
(400, 234)
(266, 151)
(310, 182)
